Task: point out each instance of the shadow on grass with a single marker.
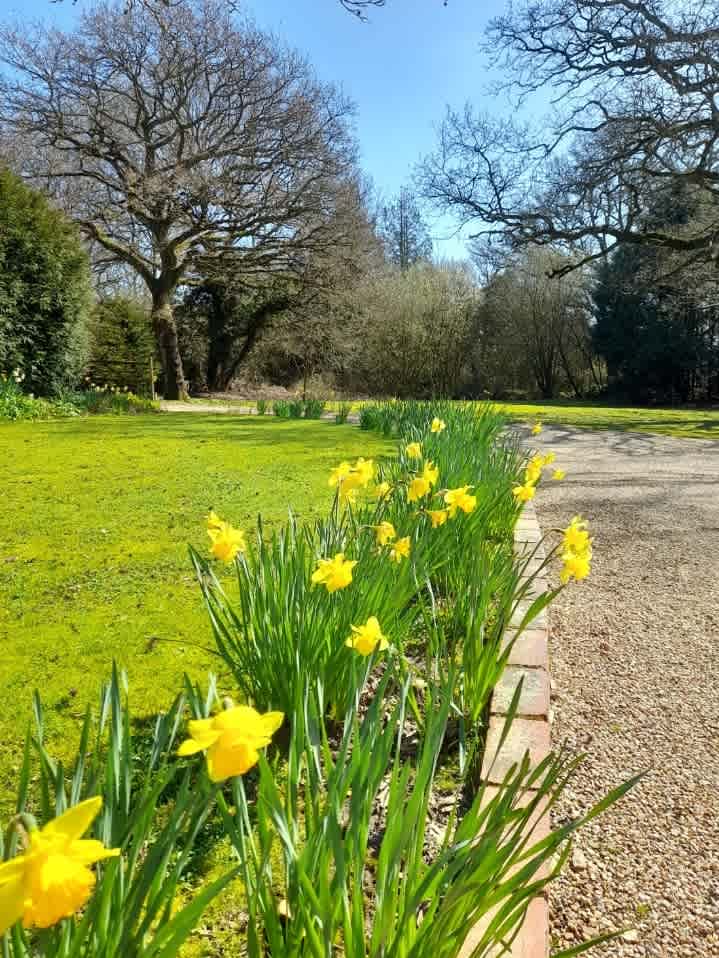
(206, 426)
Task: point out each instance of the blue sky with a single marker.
(401, 69)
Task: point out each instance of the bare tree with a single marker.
(542, 319)
(635, 86)
(358, 7)
(298, 313)
(188, 138)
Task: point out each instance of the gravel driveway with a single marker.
(635, 668)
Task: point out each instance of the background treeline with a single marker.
(385, 320)
(253, 252)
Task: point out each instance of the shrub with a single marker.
(343, 411)
(115, 402)
(122, 345)
(313, 408)
(281, 408)
(15, 404)
(261, 407)
(45, 290)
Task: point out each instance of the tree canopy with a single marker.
(634, 108)
(180, 138)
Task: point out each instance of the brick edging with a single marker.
(530, 731)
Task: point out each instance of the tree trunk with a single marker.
(163, 322)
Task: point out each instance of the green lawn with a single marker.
(683, 423)
(96, 518)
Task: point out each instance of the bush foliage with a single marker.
(44, 291)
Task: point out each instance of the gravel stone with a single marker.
(635, 665)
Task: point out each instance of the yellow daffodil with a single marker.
(382, 489)
(536, 428)
(334, 573)
(576, 551)
(548, 459)
(438, 425)
(226, 540)
(52, 879)
(438, 517)
(232, 740)
(524, 492)
(430, 473)
(576, 536)
(213, 521)
(577, 565)
(533, 472)
(348, 488)
(400, 550)
(558, 474)
(414, 450)
(367, 638)
(459, 499)
(365, 470)
(385, 533)
(339, 474)
(418, 489)
(348, 479)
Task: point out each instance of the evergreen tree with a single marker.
(404, 232)
(121, 345)
(45, 291)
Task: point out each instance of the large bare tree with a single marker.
(634, 85)
(179, 137)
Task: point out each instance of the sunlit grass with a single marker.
(96, 519)
(682, 423)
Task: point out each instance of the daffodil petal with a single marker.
(271, 721)
(203, 731)
(239, 716)
(75, 821)
(88, 851)
(223, 763)
(190, 747)
(10, 870)
(12, 898)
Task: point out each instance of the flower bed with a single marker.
(365, 650)
(16, 404)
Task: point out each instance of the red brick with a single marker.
(538, 824)
(536, 586)
(533, 698)
(540, 620)
(530, 735)
(531, 942)
(531, 649)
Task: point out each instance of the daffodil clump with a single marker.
(576, 551)
(526, 490)
(350, 479)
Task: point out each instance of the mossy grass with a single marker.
(682, 423)
(93, 547)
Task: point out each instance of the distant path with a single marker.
(635, 665)
(175, 405)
